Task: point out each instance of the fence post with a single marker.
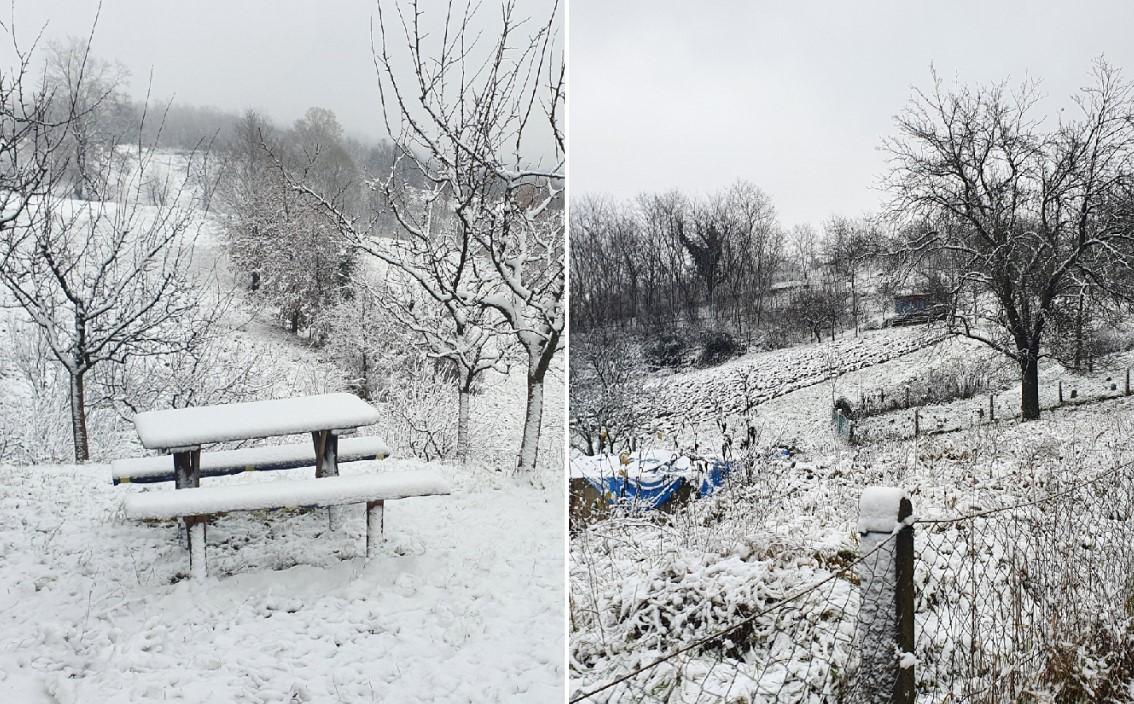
(916, 422)
(991, 407)
(1060, 392)
(1127, 393)
(886, 623)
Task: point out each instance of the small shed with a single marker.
(908, 303)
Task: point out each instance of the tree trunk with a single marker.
(464, 396)
(538, 362)
(1079, 334)
(79, 418)
(1029, 386)
(529, 444)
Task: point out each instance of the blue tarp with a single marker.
(655, 491)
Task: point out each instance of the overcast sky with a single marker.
(279, 56)
(796, 96)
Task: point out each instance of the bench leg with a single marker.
(374, 517)
(327, 465)
(326, 453)
(196, 530)
(186, 473)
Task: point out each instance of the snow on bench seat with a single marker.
(146, 470)
(193, 427)
(324, 491)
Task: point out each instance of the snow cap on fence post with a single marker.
(885, 571)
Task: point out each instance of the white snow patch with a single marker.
(190, 427)
(462, 602)
(878, 509)
(284, 493)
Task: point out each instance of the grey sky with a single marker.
(279, 56)
(796, 96)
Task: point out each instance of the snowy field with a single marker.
(645, 584)
(463, 604)
(692, 401)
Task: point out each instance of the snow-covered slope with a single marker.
(645, 584)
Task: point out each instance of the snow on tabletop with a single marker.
(161, 465)
(324, 491)
(191, 427)
(878, 509)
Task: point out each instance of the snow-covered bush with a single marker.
(717, 346)
(666, 348)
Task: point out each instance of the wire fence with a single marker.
(1000, 604)
(1030, 597)
(933, 410)
(799, 648)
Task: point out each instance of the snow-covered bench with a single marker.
(149, 470)
(182, 431)
(195, 505)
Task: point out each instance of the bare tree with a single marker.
(32, 136)
(295, 256)
(850, 245)
(468, 345)
(104, 280)
(487, 230)
(1032, 213)
(91, 104)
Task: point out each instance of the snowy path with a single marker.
(464, 603)
(699, 398)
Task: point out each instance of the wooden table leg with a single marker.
(327, 465)
(375, 515)
(186, 474)
(326, 453)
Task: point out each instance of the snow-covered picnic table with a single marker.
(183, 431)
(187, 428)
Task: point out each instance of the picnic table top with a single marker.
(179, 428)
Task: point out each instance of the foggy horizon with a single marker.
(279, 59)
(797, 99)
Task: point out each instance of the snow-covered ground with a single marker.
(644, 584)
(464, 603)
(690, 402)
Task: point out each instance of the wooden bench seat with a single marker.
(159, 468)
(195, 504)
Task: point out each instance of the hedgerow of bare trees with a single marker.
(669, 257)
(1033, 215)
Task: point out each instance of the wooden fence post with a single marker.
(1127, 392)
(916, 423)
(885, 630)
(991, 407)
(1060, 392)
